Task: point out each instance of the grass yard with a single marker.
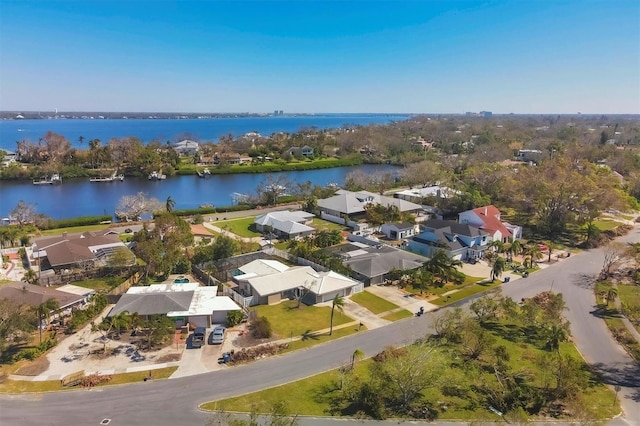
(19, 386)
(630, 296)
(606, 225)
(314, 394)
(321, 224)
(373, 303)
(105, 284)
(73, 229)
(613, 318)
(316, 339)
(286, 319)
(465, 292)
(243, 226)
(397, 316)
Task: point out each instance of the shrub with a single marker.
(234, 318)
(262, 328)
(182, 266)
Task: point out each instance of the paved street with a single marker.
(175, 401)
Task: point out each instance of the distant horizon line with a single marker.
(16, 111)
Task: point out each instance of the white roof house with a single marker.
(273, 286)
(289, 224)
(186, 147)
(354, 202)
(429, 191)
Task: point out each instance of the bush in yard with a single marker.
(234, 318)
(262, 328)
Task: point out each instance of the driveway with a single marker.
(401, 298)
(362, 314)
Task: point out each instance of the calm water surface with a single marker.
(79, 197)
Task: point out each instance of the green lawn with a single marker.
(613, 318)
(74, 229)
(105, 284)
(243, 226)
(373, 303)
(630, 296)
(314, 394)
(465, 292)
(315, 339)
(287, 320)
(20, 386)
(321, 224)
(606, 225)
(397, 316)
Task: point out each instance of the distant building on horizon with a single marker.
(277, 112)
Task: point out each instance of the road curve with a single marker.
(175, 401)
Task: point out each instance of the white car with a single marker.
(217, 335)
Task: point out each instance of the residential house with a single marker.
(8, 158)
(421, 143)
(187, 147)
(305, 151)
(186, 303)
(286, 224)
(488, 219)
(19, 293)
(527, 155)
(371, 264)
(460, 241)
(266, 282)
(398, 231)
(417, 195)
(352, 205)
(77, 250)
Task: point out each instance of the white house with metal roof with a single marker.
(286, 224)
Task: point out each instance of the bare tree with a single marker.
(23, 213)
(613, 254)
(131, 207)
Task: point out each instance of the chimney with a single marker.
(486, 210)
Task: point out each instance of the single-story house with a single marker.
(187, 147)
(353, 204)
(266, 282)
(398, 231)
(286, 224)
(21, 293)
(534, 155)
(417, 195)
(75, 250)
(487, 218)
(85, 293)
(371, 264)
(184, 303)
(460, 241)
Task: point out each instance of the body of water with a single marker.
(210, 129)
(79, 197)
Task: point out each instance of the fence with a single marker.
(122, 288)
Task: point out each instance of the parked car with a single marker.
(217, 335)
(197, 339)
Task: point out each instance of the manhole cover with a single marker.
(105, 421)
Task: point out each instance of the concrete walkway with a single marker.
(362, 314)
(405, 300)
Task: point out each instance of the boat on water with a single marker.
(114, 177)
(157, 176)
(202, 174)
(54, 179)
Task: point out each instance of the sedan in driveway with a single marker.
(217, 335)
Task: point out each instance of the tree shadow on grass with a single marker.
(604, 312)
(311, 335)
(510, 332)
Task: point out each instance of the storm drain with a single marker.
(105, 421)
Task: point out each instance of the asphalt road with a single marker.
(174, 402)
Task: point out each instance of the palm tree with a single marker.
(338, 302)
(534, 253)
(554, 335)
(516, 247)
(592, 232)
(356, 356)
(497, 245)
(120, 321)
(170, 204)
(612, 293)
(441, 265)
(498, 268)
(43, 310)
(30, 276)
(81, 139)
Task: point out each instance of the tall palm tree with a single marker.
(43, 311)
(516, 247)
(534, 253)
(498, 268)
(170, 204)
(338, 302)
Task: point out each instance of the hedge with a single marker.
(79, 221)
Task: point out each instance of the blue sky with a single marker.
(528, 56)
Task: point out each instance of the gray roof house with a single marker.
(460, 241)
(398, 231)
(185, 303)
(353, 203)
(187, 147)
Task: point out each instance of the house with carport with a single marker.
(186, 303)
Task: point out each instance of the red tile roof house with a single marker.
(73, 250)
(487, 218)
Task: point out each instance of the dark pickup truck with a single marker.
(199, 335)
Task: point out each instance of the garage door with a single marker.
(219, 317)
(200, 320)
